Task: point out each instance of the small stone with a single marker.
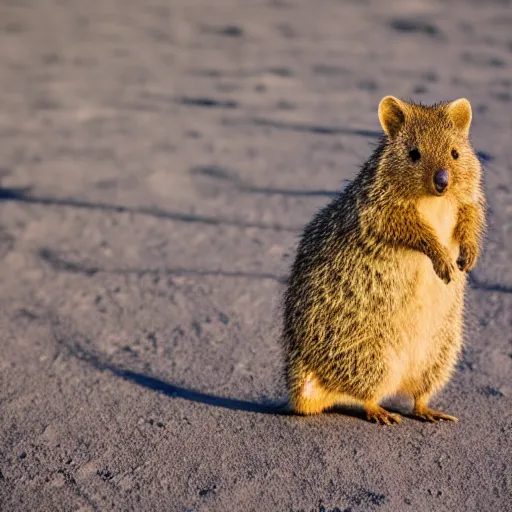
(231, 31)
(223, 318)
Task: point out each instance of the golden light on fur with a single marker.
(391, 115)
(374, 305)
(460, 113)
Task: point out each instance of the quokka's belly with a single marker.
(432, 298)
(422, 319)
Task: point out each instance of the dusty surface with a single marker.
(158, 159)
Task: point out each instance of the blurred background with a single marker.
(158, 160)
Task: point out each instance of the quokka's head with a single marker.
(427, 148)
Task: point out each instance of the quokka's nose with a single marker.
(441, 180)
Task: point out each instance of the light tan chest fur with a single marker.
(424, 314)
(440, 213)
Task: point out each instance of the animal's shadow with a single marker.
(281, 408)
(173, 391)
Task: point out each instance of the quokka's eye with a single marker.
(414, 155)
(455, 154)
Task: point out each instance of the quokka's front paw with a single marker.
(468, 254)
(444, 268)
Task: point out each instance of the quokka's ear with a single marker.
(459, 111)
(391, 115)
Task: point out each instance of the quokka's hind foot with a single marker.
(425, 413)
(376, 414)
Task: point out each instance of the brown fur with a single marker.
(374, 304)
